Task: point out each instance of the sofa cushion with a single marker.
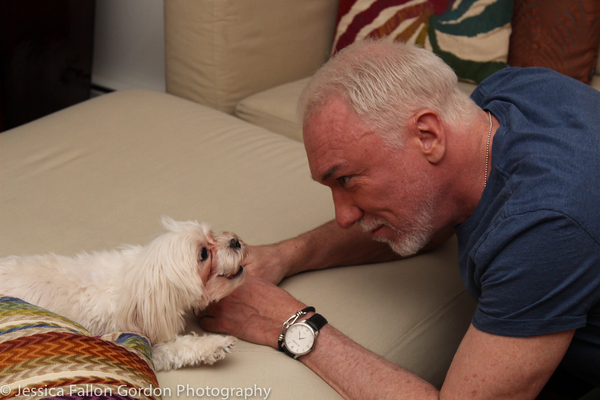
(105, 171)
(556, 34)
(470, 36)
(275, 109)
(45, 355)
(101, 173)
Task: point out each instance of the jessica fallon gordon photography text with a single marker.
(224, 393)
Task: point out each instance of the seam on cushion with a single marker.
(268, 121)
(290, 132)
(436, 315)
(243, 110)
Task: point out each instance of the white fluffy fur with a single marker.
(138, 289)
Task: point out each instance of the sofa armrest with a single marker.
(221, 51)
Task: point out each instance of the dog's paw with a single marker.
(191, 350)
(222, 346)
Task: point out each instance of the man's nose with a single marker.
(347, 213)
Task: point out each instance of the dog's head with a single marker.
(215, 259)
(185, 268)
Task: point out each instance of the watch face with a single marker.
(299, 339)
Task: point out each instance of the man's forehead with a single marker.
(334, 124)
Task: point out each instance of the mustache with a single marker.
(372, 224)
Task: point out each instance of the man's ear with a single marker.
(429, 134)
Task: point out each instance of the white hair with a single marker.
(386, 83)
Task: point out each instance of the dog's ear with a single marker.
(152, 312)
(182, 226)
(168, 223)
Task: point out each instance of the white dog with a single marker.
(139, 289)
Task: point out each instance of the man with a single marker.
(409, 159)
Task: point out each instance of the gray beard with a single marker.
(410, 238)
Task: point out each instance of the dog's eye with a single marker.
(203, 254)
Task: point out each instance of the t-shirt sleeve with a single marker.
(537, 275)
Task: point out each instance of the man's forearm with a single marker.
(331, 246)
(357, 373)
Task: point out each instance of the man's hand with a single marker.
(266, 262)
(254, 312)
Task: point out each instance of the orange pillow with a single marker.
(556, 34)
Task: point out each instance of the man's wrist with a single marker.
(299, 333)
(295, 257)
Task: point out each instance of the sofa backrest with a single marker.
(221, 51)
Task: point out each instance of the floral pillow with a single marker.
(472, 36)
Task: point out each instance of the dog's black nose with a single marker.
(235, 243)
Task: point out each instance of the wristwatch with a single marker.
(298, 338)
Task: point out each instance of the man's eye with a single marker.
(203, 254)
(343, 180)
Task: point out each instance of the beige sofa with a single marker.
(101, 173)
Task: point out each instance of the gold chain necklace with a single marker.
(487, 151)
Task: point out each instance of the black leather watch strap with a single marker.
(287, 352)
(317, 321)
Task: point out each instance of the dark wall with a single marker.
(45, 57)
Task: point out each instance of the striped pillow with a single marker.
(472, 36)
(44, 355)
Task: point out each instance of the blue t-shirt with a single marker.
(530, 253)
